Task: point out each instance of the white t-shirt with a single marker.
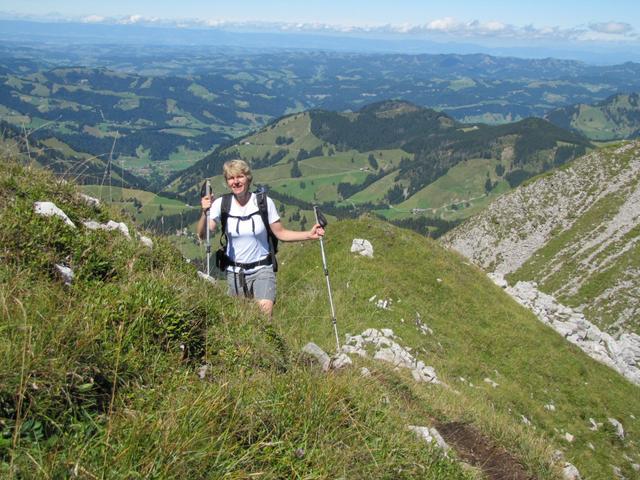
(247, 236)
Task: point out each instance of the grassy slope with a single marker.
(614, 118)
(100, 379)
(478, 332)
(462, 186)
(130, 310)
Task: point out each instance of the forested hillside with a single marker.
(78, 166)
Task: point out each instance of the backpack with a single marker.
(261, 197)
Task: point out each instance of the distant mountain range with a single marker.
(170, 106)
(169, 117)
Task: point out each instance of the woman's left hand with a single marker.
(316, 232)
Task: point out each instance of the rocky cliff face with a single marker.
(575, 232)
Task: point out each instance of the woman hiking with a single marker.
(250, 271)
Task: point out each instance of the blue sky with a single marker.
(612, 22)
(562, 13)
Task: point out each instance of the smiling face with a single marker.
(238, 176)
(238, 184)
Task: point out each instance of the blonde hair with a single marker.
(237, 167)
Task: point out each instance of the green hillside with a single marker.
(615, 118)
(143, 206)
(60, 158)
(141, 369)
(395, 158)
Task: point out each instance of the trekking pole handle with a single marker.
(206, 190)
(320, 218)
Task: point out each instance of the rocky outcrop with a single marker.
(516, 225)
(622, 353)
(575, 232)
(109, 226)
(386, 349)
(50, 209)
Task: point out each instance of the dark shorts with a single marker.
(260, 284)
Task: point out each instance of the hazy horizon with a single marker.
(588, 30)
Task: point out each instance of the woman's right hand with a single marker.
(206, 201)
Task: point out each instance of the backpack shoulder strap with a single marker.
(263, 208)
(224, 215)
(261, 198)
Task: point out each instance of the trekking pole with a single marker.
(206, 190)
(322, 221)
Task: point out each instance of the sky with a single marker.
(593, 22)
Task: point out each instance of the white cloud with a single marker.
(445, 28)
(132, 20)
(93, 19)
(612, 28)
(447, 24)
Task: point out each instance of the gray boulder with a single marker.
(363, 247)
(316, 352)
(66, 273)
(49, 209)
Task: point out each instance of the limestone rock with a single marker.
(363, 247)
(91, 201)
(570, 472)
(203, 370)
(430, 435)
(146, 241)
(384, 303)
(491, 382)
(206, 277)
(49, 209)
(316, 352)
(618, 426)
(340, 361)
(386, 349)
(498, 279)
(109, 226)
(623, 354)
(66, 273)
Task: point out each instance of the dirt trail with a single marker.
(478, 450)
